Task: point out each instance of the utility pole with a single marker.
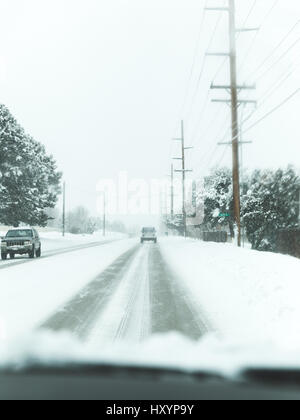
(234, 102)
(172, 191)
(183, 171)
(234, 121)
(299, 208)
(104, 214)
(64, 210)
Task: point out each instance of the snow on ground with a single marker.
(247, 295)
(250, 298)
(30, 292)
(54, 240)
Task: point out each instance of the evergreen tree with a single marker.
(270, 204)
(29, 180)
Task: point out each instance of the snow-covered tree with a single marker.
(218, 200)
(79, 221)
(174, 223)
(29, 180)
(270, 204)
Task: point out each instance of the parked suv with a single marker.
(21, 241)
(149, 234)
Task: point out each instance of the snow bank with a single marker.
(245, 294)
(97, 236)
(55, 240)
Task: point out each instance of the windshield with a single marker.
(149, 153)
(21, 233)
(148, 230)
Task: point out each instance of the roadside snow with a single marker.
(247, 295)
(54, 240)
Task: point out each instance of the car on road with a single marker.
(149, 234)
(21, 241)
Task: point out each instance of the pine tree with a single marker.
(270, 204)
(29, 180)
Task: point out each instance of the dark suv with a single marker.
(21, 241)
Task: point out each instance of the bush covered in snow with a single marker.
(29, 180)
(271, 203)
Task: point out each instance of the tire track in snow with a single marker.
(135, 321)
(80, 313)
(171, 309)
(138, 295)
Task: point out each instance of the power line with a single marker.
(190, 77)
(203, 63)
(276, 48)
(249, 14)
(207, 129)
(272, 89)
(273, 110)
(266, 17)
(195, 55)
(226, 149)
(279, 59)
(270, 112)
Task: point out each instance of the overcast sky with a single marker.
(102, 84)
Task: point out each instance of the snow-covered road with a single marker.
(100, 291)
(135, 297)
(104, 291)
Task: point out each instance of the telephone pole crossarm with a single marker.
(241, 87)
(215, 9)
(217, 54)
(230, 142)
(239, 30)
(239, 101)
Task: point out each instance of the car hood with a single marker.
(16, 238)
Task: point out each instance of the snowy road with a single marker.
(111, 291)
(134, 297)
(99, 291)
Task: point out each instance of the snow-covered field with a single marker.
(250, 299)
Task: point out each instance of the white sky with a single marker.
(102, 83)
